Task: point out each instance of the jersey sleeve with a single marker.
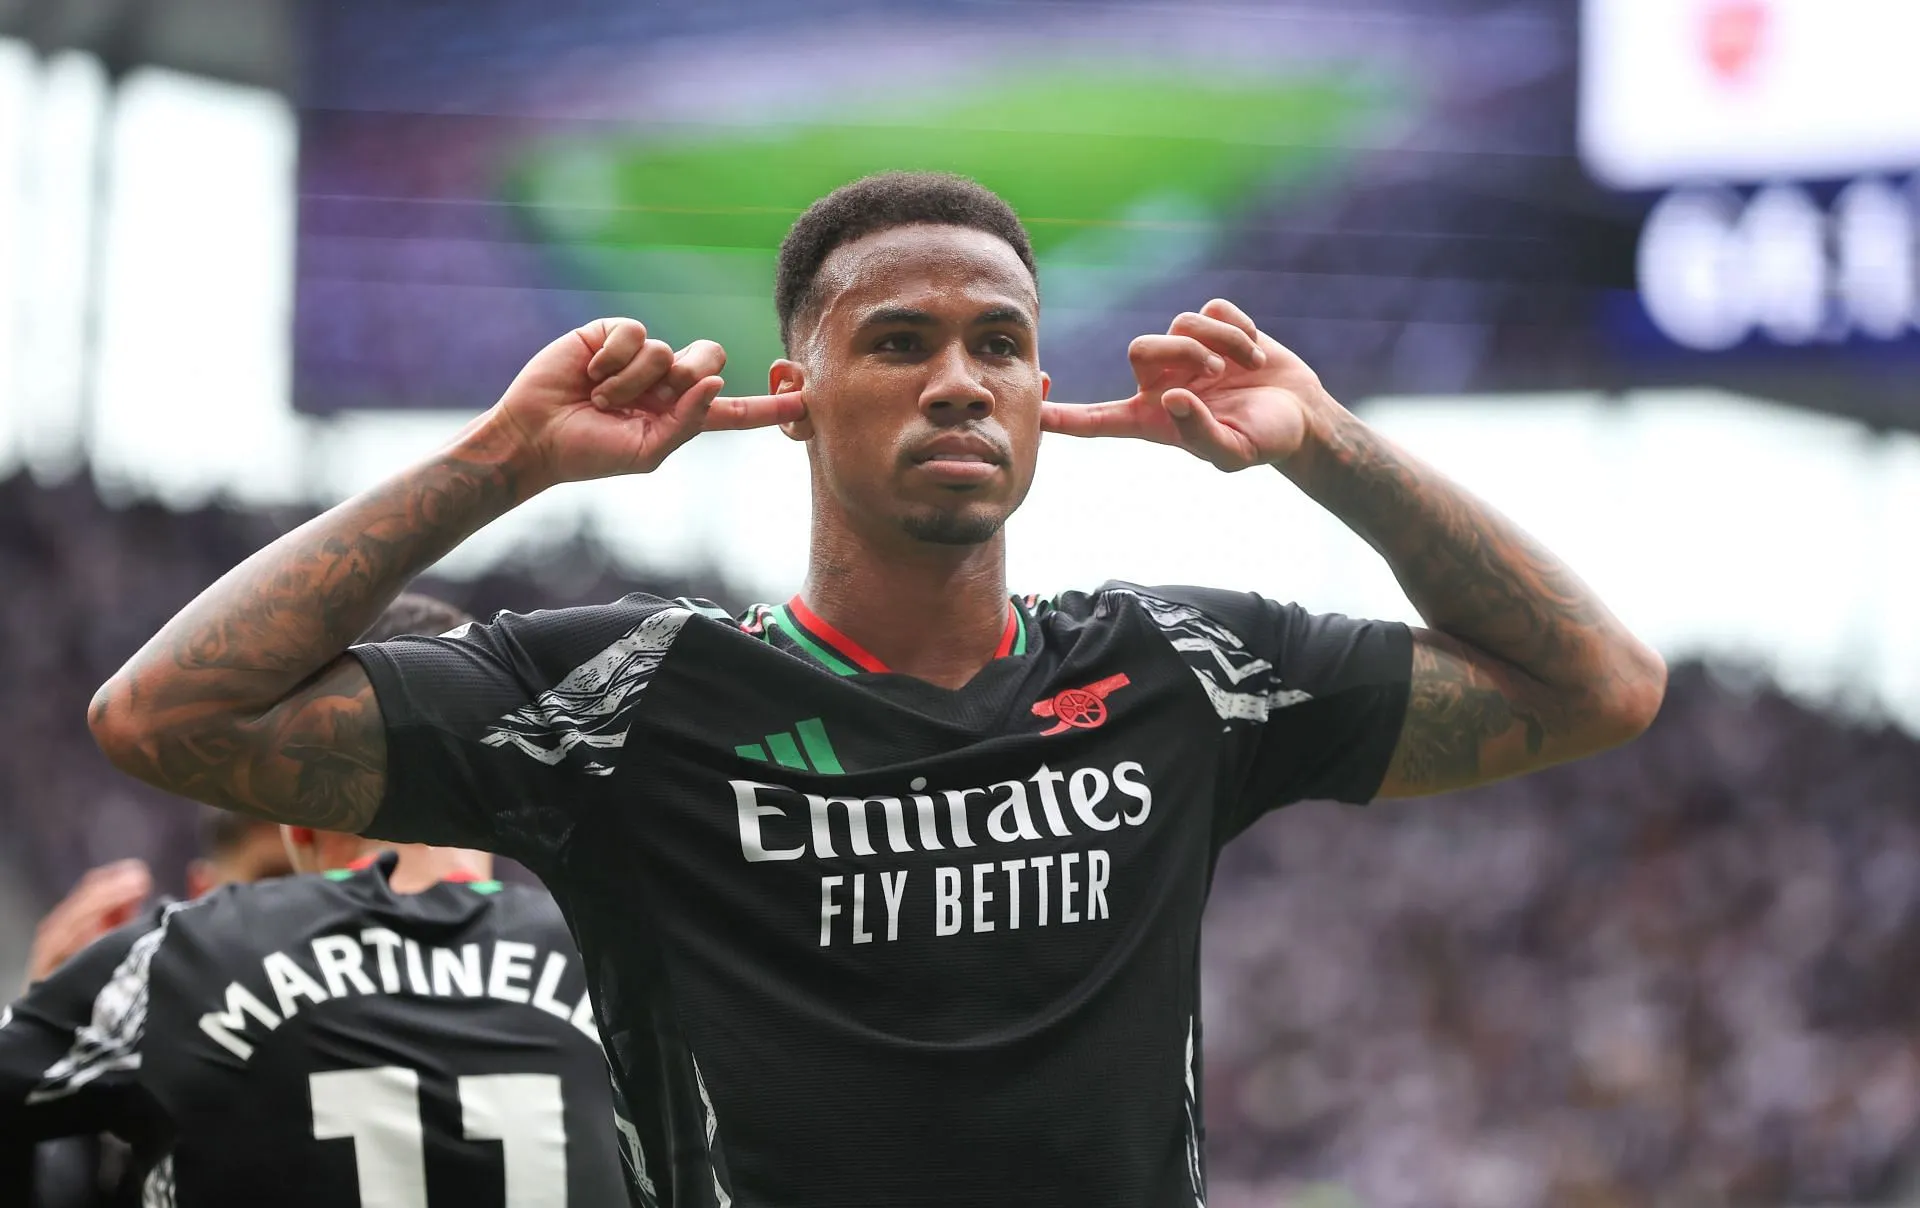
(70, 1049)
(498, 732)
(1311, 703)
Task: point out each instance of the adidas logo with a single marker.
(804, 749)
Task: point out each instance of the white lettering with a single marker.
(221, 1025)
(290, 982)
(746, 803)
(1069, 913)
(981, 896)
(860, 933)
(416, 969)
(1013, 868)
(893, 886)
(549, 982)
(462, 972)
(1045, 779)
(512, 962)
(855, 809)
(1015, 807)
(384, 943)
(1040, 866)
(827, 908)
(1088, 789)
(957, 815)
(1099, 867)
(946, 893)
(582, 1019)
(928, 820)
(340, 959)
(1136, 789)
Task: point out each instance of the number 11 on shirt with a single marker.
(378, 1109)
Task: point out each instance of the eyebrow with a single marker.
(907, 316)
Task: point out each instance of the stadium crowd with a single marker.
(1680, 973)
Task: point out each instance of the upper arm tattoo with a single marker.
(317, 758)
(331, 744)
(1468, 721)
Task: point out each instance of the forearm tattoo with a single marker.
(245, 699)
(1524, 657)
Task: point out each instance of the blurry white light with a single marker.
(1689, 278)
(196, 331)
(1746, 90)
(1873, 230)
(18, 71)
(57, 262)
(1786, 263)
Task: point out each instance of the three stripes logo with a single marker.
(804, 749)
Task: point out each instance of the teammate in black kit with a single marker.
(891, 893)
(400, 1032)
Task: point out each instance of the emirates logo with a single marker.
(1079, 708)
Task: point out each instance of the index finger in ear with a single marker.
(1227, 312)
(756, 411)
(1221, 336)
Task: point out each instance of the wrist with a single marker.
(494, 440)
(1324, 423)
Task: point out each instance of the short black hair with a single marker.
(415, 613)
(223, 831)
(879, 203)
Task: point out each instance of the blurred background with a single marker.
(1645, 273)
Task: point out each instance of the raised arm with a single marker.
(1522, 666)
(247, 700)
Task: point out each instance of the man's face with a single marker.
(923, 383)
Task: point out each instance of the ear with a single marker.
(1046, 384)
(783, 378)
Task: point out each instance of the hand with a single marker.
(105, 898)
(1215, 385)
(604, 399)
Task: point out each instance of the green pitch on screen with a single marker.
(1121, 176)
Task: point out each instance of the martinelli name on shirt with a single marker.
(381, 961)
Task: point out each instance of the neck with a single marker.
(422, 867)
(935, 612)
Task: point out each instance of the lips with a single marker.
(959, 461)
(960, 449)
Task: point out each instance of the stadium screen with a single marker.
(1418, 196)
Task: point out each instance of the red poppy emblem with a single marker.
(1079, 708)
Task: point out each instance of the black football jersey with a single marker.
(325, 1042)
(856, 939)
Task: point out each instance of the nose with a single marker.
(954, 393)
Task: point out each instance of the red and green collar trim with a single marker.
(842, 655)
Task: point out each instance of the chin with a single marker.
(967, 526)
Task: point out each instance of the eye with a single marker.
(1000, 345)
(898, 341)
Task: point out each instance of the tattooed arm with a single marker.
(1522, 667)
(247, 700)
